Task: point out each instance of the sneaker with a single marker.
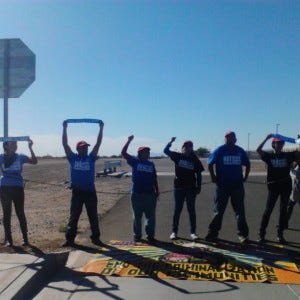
(137, 240)
(173, 236)
(281, 240)
(211, 237)
(151, 240)
(68, 243)
(194, 236)
(261, 239)
(243, 239)
(97, 242)
(8, 243)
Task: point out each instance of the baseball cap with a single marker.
(143, 148)
(230, 133)
(277, 140)
(82, 144)
(187, 143)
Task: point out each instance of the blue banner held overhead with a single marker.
(83, 121)
(15, 139)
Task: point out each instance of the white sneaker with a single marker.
(173, 236)
(194, 236)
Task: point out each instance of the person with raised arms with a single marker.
(82, 170)
(279, 184)
(144, 191)
(12, 188)
(187, 184)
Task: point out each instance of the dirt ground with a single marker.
(47, 202)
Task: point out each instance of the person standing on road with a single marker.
(295, 195)
(279, 184)
(82, 169)
(12, 188)
(229, 160)
(144, 192)
(187, 184)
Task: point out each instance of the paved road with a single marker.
(118, 225)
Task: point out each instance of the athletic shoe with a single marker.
(137, 240)
(194, 236)
(243, 239)
(8, 243)
(173, 236)
(211, 237)
(281, 240)
(97, 242)
(151, 240)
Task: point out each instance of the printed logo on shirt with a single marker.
(145, 168)
(16, 166)
(186, 164)
(82, 165)
(232, 160)
(279, 163)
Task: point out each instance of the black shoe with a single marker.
(68, 243)
(211, 237)
(137, 240)
(151, 240)
(97, 242)
(25, 241)
(281, 240)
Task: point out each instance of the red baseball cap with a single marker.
(277, 140)
(82, 144)
(230, 133)
(143, 148)
(188, 143)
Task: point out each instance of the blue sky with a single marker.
(156, 69)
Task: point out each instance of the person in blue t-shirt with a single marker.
(229, 160)
(12, 187)
(187, 184)
(144, 192)
(82, 170)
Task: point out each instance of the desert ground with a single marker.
(47, 201)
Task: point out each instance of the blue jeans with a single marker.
(236, 193)
(143, 203)
(89, 199)
(180, 195)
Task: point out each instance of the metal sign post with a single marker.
(17, 72)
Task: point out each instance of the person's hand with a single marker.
(101, 123)
(30, 143)
(270, 135)
(65, 124)
(130, 138)
(172, 140)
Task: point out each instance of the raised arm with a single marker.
(99, 139)
(168, 146)
(125, 147)
(67, 148)
(261, 145)
(31, 160)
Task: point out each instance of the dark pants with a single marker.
(8, 195)
(143, 203)
(89, 199)
(282, 191)
(237, 194)
(181, 195)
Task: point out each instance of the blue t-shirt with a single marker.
(143, 174)
(229, 162)
(82, 170)
(11, 176)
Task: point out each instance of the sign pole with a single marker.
(5, 86)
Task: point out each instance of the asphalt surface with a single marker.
(117, 225)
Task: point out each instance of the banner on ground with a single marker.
(193, 261)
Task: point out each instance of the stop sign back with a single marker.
(17, 67)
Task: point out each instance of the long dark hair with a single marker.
(9, 159)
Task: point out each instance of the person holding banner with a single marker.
(82, 169)
(187, 184)
(144, 192)
(12, 187)
(229, 160)
(279, 184)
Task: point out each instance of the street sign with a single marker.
(17, 68)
